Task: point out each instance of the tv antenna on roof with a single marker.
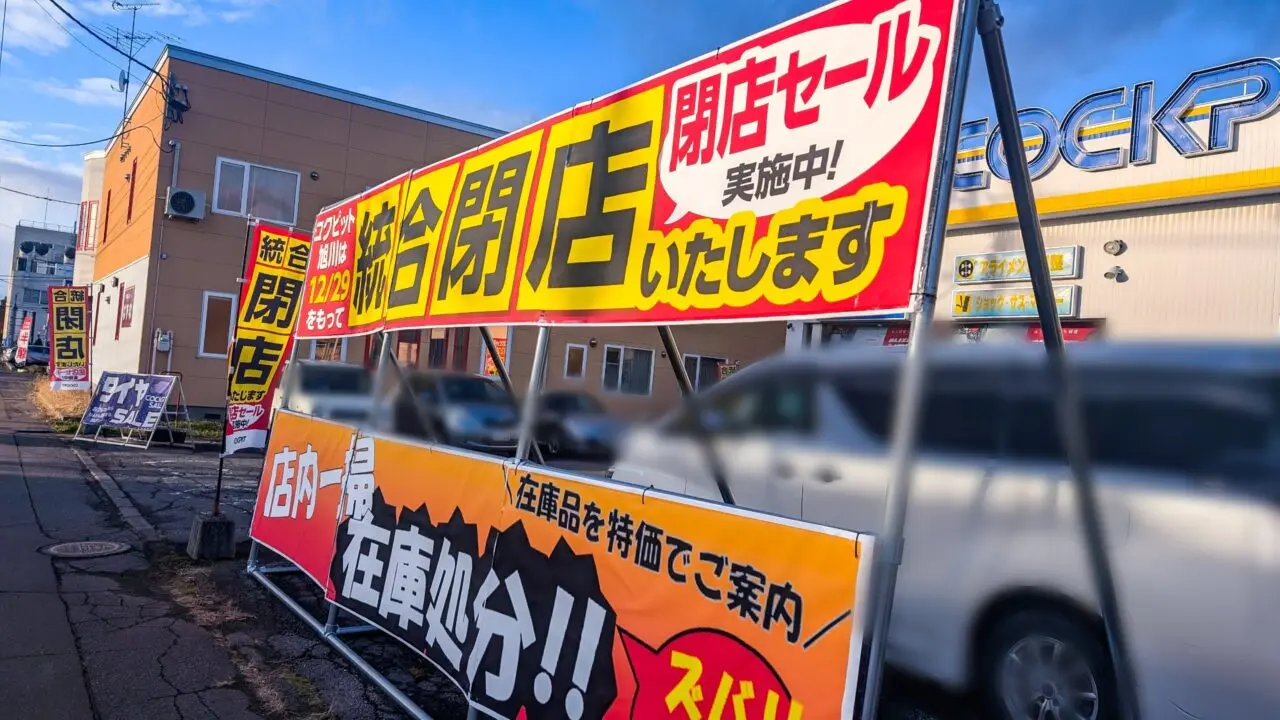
(132, 42)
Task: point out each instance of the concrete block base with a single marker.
(213, 537)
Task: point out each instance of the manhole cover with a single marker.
(86, 549)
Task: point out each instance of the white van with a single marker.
(995, 592)
(332, 390)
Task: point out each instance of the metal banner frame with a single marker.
(979, 19)
(983, 20)
(133, 437)
(331, 631)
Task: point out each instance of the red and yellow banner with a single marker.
(69, 338)
(549, 595)
(787, 175)
(275, 271)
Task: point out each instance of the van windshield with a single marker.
(320, 380)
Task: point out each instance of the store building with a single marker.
(627, 369)
(42, 257)
(208, 143)
(1160, 210)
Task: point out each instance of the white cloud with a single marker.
(13, 129)
(190, 12)
(235, 16)
(95, 91)
(37, 176)
(31, 27)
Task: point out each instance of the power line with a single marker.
(39, 197)
(82, 43)
(122, 133)
(104, 41)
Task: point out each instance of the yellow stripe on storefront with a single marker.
(1245, 182)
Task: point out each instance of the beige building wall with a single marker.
(335, 143)
(741, 343)
(1204, 270)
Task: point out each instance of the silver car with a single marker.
(333, 390)
(995, 593)
(460, 409)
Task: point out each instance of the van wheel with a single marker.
(1046, 665)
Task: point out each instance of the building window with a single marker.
(215, 324)
(334, 349)
(461, 342)
(133, 181)
(249, 190)
(575, 361)
(437, 348)
(628, 370)
(87, 232)
(32, 296)
(703, 371)
(408, 345)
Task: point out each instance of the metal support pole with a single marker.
(385, 358)
(911, 386)
(676, 358)
(529, 413)
(705, 441)
(1070, 414)
(505, 378)
(252, 565)
(231, 371)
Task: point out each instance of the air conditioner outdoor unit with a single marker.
(185, 204)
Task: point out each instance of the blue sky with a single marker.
(508, 62)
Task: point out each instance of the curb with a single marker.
(128, 511)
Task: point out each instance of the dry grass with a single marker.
(58, 404)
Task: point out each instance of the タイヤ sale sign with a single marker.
(544, 595)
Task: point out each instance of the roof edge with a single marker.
(196, 57)
(232, 66)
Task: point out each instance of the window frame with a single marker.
(204, 318)
(586, 361)
(244, 188)
(311, 349)
(604, 363)
(696, 379)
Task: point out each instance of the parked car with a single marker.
(995, 591)
(576, 424)
(468, 411)
(37, 355)
(333, 390)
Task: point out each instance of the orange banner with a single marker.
(548, 595)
